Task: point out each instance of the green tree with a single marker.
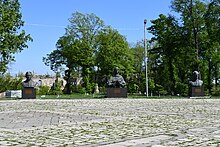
(192, 18)
(12, 38)
(76, 49)
(186, 43)
(138, 77)
(212, 20)
(167, 33)
(113, 51)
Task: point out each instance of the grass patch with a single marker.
(102, 95)
(154, 97)
(5, 98)
(70, 96)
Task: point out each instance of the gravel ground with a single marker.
(110, 122)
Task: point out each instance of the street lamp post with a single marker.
(145, 56)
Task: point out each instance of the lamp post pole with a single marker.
(145, 56)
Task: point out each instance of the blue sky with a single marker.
(45, 21)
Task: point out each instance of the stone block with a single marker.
(28, 93)
(117, 93)
(197, 92)
(13, 93)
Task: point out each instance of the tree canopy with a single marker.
(180, 44)
(187, 43)
(12, 38)
(89, 45)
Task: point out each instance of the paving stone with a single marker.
(110, 122)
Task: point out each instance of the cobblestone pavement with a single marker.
(110, 122)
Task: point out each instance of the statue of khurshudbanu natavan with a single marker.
(116, 81)
(197, 82)
(28, 82)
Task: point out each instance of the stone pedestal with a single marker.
(29, 93)
(117, 93)
(197, 92)
(13, 94)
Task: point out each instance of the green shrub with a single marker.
(216, 91)
(56, 88)
(82, 91)
(8, 82)
(132, 88)
(160, 90)
(43, 90)
(182, 89)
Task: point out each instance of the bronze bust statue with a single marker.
(28, 82)
(116, 81)
(197, 82)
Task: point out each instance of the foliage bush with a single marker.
(132, 88)
(182, 89)
(8, 82)
(82, 90)
(216, 91)
(78, 89)
(43, 90)
(56, 88)
(160, 90)
(102, 90)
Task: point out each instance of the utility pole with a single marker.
(145, 56)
